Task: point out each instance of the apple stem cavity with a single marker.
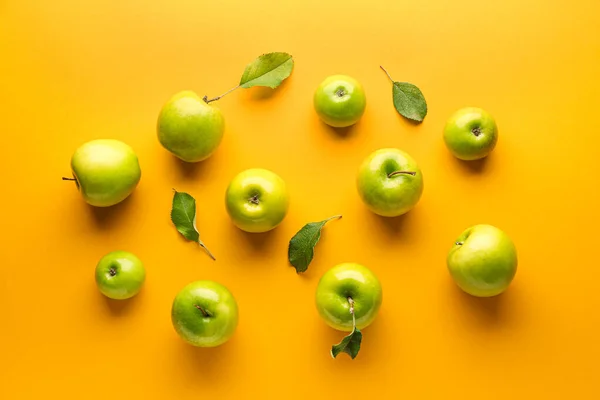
(392, 174)
(112, 271)
(387, 73)
(207, 100)
(459, 243)
(204, 312)
(340, 92)
(476, 131)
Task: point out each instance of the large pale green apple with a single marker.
(189, 127)
(344, 286)
(105, 171)
(471, 133)
(389, 182)
(340, 101)
(120, 275)
(204, 314)
(483, 261)
(257, 200)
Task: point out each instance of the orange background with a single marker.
(75, 70)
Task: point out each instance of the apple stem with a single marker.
(210, 254)
(112, 271)
(204, 312)
(476, 131)
(207, 100)
(351, 301)
(387, 73)
(459, 243)
(254, 199)
(392, 174)
(64, 178)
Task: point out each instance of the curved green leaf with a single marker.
(350, 344)
(409, 101)
(267, 70)
(183, 216)
(301, 247)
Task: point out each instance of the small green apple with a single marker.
(471, 134)
(389, 182)
(340, 101)
(344, 286)
(189, 127)
(483, 261)
(257, 200)
(105, 171)
(204, 314)
(120, 275)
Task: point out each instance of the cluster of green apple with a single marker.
(482, 261)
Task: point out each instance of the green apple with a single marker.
(340, 101)
(204, 314)
(389, 182)
(189, 127)
(344, 286)
(471, 133)
(105, 171)
(257, 200)
(483, 261)
(120, 275)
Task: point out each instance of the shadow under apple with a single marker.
(487, 312)
(474, 166)
(194, 170)
(106, 218)
(120, 308)
(203, 365)
(390, 226)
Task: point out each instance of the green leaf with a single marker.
(409, 101)
(301, 248)
(349, 344)
(183, 216)
(267, 70)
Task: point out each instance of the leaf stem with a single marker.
(387, 73)
(334, 217)
(392, 174)
(207, 250)
(207, 100)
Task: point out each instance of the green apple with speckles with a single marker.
(344, 286)
(189, 127)
(483, 261)
(389, 182)
(257, 200)
(105, 171)
(204, 314)
(471, 134)
(120, 275)
(340, 101)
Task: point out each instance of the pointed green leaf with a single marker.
(183, 216)
(349, 344)
(409, 101)
(267, 70)
(301, 247)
